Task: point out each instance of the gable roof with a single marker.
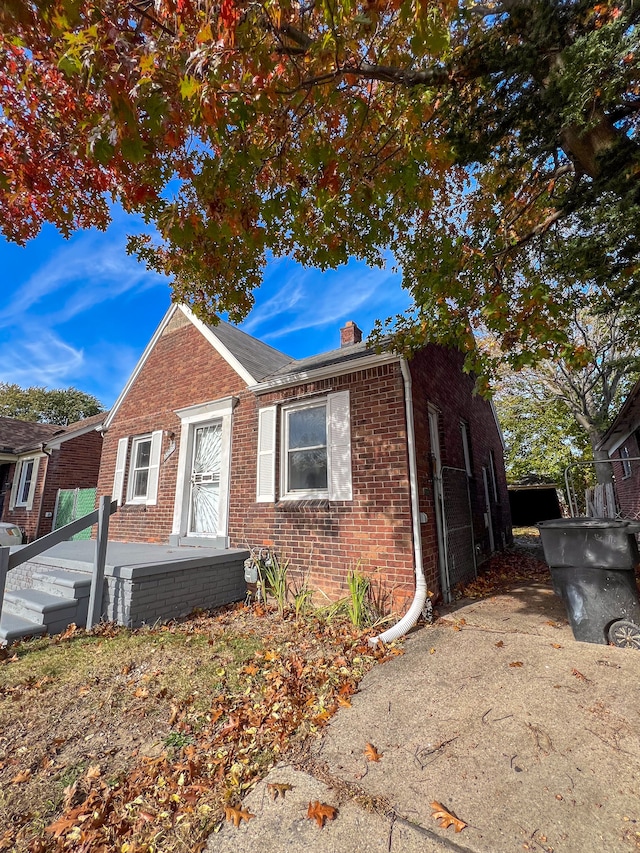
(251, 359)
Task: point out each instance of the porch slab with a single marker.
(147, 583)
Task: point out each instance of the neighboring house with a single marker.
(622, 444)
(220, 439)
(36, 460)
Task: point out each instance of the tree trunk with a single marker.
(604, 469)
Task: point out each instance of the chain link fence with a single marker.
(72, 504)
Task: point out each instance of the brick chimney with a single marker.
(350, 334)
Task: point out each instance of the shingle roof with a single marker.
(324, 359)
(16, 435)
(259, 359)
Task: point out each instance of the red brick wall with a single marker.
(74, 466)
(27, 519)
(325, 540)
(628, 488)
(182, 370)
(322, 540)
(438, 379)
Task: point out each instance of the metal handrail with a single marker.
(101, 515)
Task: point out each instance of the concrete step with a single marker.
(52, 611)
(14, 627)
(63, 583)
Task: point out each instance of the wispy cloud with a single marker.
(67, 317)
(302, 299)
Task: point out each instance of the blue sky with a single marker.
(79, 312)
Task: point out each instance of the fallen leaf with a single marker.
(236, 815)
(432, 651)
(141, 693)
(372, 753)
(516, 663)
(278, 789)
(556, 645)
(23, 776)
(345, 703)
(175, 710)
(320, 812)
(94, 771)
(499, 644)
(579, 675)
(446, 818)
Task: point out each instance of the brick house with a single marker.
(622, 443)
(347, 459)
(36, 460)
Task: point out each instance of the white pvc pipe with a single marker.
(413, 613)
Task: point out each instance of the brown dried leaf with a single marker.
(499, 644)
(94, 772)
(556, 645)
(23, 776)
(320, 812)
(236, 816)
(516, 663)
(446, 818)
(579, 675)
(372, 753)
(278, 789)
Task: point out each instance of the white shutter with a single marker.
(339, 447)
(266, 475)
(154, 467)
(121, 464)
(14, 487)
(34, 480)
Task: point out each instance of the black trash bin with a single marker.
(592, 563)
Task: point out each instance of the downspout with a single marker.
(44, 483)
(413, 613)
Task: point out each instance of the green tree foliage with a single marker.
(59, 406)
(557, 412)
(491, 146)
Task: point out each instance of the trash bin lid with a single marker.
(591, 523)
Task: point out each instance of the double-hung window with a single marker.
(314, 452)
(139, 469)
(138, 462)
(24, 483)
(305, 447)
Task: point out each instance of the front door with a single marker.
(204, 502)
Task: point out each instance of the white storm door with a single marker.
(204, 501)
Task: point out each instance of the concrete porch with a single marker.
(144, 583)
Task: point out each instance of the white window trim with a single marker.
(466, 450)
(203, 413)
(299, 494)
(19, 480)
(135, 441)
(339, 460)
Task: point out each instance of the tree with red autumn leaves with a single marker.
(491, 147)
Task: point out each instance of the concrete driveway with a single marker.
(495, 712)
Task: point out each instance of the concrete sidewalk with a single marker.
(496, 712)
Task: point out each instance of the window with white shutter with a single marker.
(316, 449)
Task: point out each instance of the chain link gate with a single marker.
(72, 504)
(459, 556)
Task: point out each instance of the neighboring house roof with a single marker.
(625, 422)
(18, 436)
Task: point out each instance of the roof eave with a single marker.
(340, 368)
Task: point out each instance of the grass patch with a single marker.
(141, 737)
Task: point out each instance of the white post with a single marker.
(4, 568)
(97, 582)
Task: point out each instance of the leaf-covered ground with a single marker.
(137, 740)
(522, 563)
